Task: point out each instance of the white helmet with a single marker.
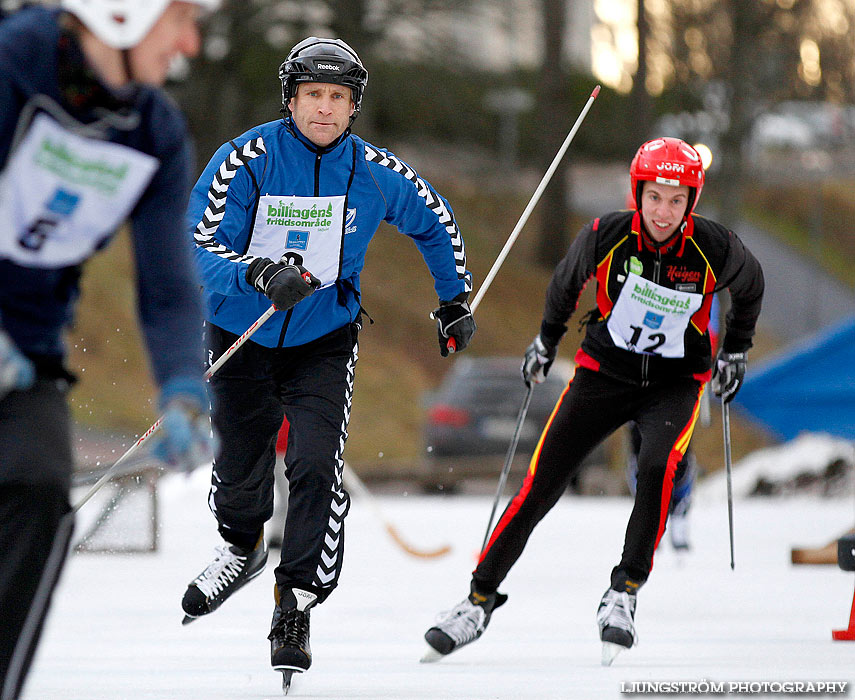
(122, 24)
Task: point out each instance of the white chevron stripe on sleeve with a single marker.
(207, 227)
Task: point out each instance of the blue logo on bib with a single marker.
(63, 203)
(297, 240)
(652, 320)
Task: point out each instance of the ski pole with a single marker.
(547, 176)
(353, 483)
(512, 448)
(725, 421)
(154, 428)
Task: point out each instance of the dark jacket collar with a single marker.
(675, 243)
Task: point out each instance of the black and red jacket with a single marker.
(684, 272)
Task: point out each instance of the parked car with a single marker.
(470, 419)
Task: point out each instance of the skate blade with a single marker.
(610, 652)
(188, 619)
(287, 674)
(430, 656)
(286, 681)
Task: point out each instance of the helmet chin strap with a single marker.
(658, 245)
(288, 120)
(126, 64)
(677, 232)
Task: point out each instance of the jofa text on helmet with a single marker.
(674, 167)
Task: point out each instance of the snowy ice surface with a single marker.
(114, 632)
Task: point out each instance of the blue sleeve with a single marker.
(9, 111)
(219, 218)
(168, 299)
(28, 65)
(418, 211)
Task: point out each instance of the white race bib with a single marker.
(307, 231)
(62, 194)
(651, 319)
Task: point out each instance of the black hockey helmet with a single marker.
(316, 60)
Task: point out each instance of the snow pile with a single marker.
(782, 468)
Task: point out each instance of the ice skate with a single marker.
(678, 526)
(231, 569)
(616, 620)
(290, 651)
(461, 625)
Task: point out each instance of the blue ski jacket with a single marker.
(273, 193)
(42, 252)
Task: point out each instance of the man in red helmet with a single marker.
(645, 358)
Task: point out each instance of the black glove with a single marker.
(728, 373)
(454, 321)
(538, 359)
(283, 284)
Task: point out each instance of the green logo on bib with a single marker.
(635, 266)
(288, 214)
(60, 158)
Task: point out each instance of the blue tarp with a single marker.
(809, 387)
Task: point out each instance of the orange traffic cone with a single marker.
(849, 633)
(846, 561)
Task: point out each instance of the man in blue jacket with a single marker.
(87, 141)
(284, 214)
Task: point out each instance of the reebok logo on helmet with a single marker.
(327, 66)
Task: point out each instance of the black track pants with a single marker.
(35, 522)
(313, 385)
(34, 552)
(592, 407)
(683, 477)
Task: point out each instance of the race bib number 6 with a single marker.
(62, 194)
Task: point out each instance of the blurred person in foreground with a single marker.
(645, 357)
(284, 213)
(88, 140)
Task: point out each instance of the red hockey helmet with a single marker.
(669, 161)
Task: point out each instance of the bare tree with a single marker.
(757, 51)
(554, 209)
(743, 98)
(641, 117)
